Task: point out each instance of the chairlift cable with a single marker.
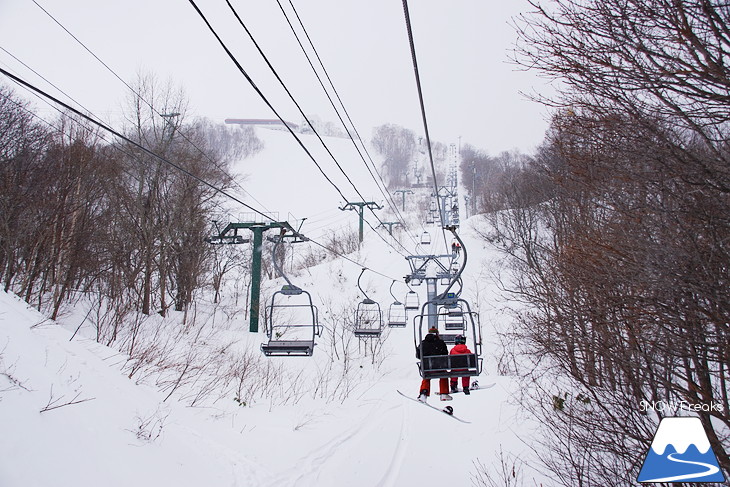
(138, 95)
(301, 111)
(296, 103)
(152, 108)
(58, 129)
(61, 112)
(116, 147)
(263, 97)
(105, 127)
(268, 103)
(386, 193)
(180, 133)
(423, 108)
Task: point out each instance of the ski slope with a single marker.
(71, 416)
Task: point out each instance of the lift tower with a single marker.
(359, 207)
(230, 235)
(403, 193)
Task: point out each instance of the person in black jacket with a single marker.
(432, 344)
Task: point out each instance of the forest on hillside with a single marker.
(618, 231)
(81, 214)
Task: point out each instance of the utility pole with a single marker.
(359, 207)
(230, 235)
(403, 192)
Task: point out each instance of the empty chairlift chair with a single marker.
(292, 320)
(368, 316)
(454, 319)
(412, 301)
(396, 312)
(453, 322)
(293, 323)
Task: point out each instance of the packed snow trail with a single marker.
(314, 467)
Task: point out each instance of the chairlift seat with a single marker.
(367, 332)
(454, 325)
(453, 320)
(292, 334)
(368, 319)
(449, 338)
(304, 348)
(397, 315)
(412, 301)
(445, 366)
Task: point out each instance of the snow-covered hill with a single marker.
(71, 416)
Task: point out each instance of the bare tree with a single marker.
(399, 146)
(623, 261)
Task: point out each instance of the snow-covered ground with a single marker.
(71, 416)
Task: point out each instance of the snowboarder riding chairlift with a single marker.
(432, 344)
(460, 347)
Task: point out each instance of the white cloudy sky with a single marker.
(470, 87)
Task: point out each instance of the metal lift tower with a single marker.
(359, 207)
(230, 235)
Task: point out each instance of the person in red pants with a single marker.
(432, 344)
(460, 347)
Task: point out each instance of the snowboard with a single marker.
(476, 388)
(448, 410)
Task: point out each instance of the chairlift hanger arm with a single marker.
(457, 277)
(277, 241)
(358, 206)
(360, 287)
(292, 238)
(395, 300)
(414, 259)
(249, 225)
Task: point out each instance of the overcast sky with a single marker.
(470, 87)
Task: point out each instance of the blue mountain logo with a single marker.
(680, 452)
